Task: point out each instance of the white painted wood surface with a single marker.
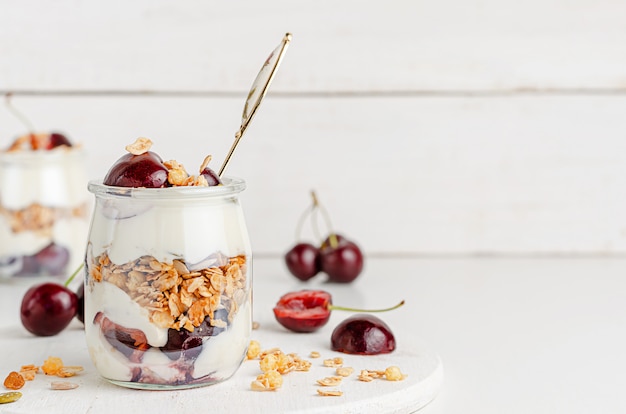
(514, 335)
(452, 127)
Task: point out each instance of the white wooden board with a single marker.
(298, 394)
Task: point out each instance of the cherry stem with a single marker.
(333, 307)
(318, 208)
(25, 121)
(73, 275)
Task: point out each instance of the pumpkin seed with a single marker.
(9, 397)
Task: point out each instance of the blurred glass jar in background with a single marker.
(43, 207)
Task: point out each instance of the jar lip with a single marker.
(55, 154)
(231, 185)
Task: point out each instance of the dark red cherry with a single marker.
(47, 309)
(57, 140)
(303, 311)
(30, 266)
(53, 259)
(80, 304)
(341, 260)
(302, 260)
(129, 341)
(211, 177)
(145, 170)
(363, 335)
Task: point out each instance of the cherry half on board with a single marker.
(309, 310)
(363, 334)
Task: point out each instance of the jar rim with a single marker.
(230, 186)
(56, 154)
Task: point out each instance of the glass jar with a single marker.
(43, 212)
(168, 299)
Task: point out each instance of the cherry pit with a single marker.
(337, 256)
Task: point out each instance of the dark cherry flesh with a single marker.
(363, 334)
(56, 140)
(53, 259)
(303, 261)
(303, 311)
(189, 344)
(144, 170)
(47, 309)
(211, 177)
(341, 261)
(80, 304)
(129, 341)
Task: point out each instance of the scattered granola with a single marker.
(333, 362)
(330, 393)
(254, 349)
(314, 354)
(14, 381)
(344, 371)
(52, 365)
(63, 385)
(29, 371)
(255, 325)
(330, 381)
(393, 373)
(268, 381)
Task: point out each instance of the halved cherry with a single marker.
(309, 310)
(363, 335)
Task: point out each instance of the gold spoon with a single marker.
(257, 93)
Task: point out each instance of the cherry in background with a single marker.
(341, 259)
(303, 261)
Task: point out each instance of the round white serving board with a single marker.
(298, 393)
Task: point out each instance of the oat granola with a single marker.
(175, 296)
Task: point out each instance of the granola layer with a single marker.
(175, 296)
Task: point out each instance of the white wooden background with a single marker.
(426, 127)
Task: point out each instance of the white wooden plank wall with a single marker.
(449, 127)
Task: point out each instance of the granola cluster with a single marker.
(177, 176)
(39, 218)
(51, 366)
(175, 296)
(274, 363)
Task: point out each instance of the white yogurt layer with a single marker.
(221, 355)
(51, 178)
(172, 231)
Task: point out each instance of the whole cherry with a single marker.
(363, 335)
(303, 261)
(309, 310)
(47, 309)
(341, 259)
(143, 170)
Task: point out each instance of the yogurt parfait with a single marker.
(43, 206)
(168, 274)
